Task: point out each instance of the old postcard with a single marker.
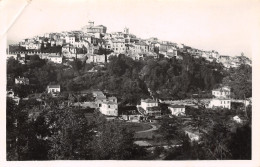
(125, 83)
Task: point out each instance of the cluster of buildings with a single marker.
(227, 61)
(150, 107)
(87, 42)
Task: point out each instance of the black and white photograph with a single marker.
(142, 80)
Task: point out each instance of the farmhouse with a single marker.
(221, 92)
(177, 110)
(150, 107)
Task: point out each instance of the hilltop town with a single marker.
(96, 45)
(123, 97)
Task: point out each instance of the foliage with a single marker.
(240, 144)
(170, 128)
(240, 81)
(114, 141)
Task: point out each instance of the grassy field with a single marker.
(134, 126)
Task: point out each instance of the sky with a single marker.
(225, 26)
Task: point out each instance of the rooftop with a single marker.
(223, 89)
(221, 98)
(155, 108)
(177, 106)
(53, 86)
(148, 101)
(110, 103)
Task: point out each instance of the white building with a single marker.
(70, 39)
(177, 110)
(55, 59)
(109, 108)
(23, 81)
(237, 119)
(150, 106)
(221, 92)
(118, 47)
(93, 58)
(220, 102)
(53, 88)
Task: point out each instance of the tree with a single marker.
(71, 135)
(240, 144)
(170, 128)
(215, 142)
(240, 81)
(114, 141)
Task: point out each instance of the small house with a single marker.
(150, 106)
(109, 108)
(22, 81)
(220, 102)
(221, 92)
(53, 89)
(177, 110)
(237, 119)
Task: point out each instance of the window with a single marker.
(108, 106)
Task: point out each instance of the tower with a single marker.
(126, 30)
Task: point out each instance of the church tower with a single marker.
(126, 30)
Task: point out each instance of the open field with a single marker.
(136, 127)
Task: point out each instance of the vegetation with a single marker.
(240, 80)
(51, 130)
(220, 137)
(62, 134)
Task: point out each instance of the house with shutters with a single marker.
(109, 108)
(107, 105)
(222, 92)
(177, 110)
(53, 89)
(94, 58)
(150, 107)
(220, 103)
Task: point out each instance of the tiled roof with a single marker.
(221, 90)
(112, 97)
(148, 101)
(110, 102)
(221, 98)
(155, 108)
(53, 86)
(177, 106)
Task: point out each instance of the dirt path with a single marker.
(152, 129)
